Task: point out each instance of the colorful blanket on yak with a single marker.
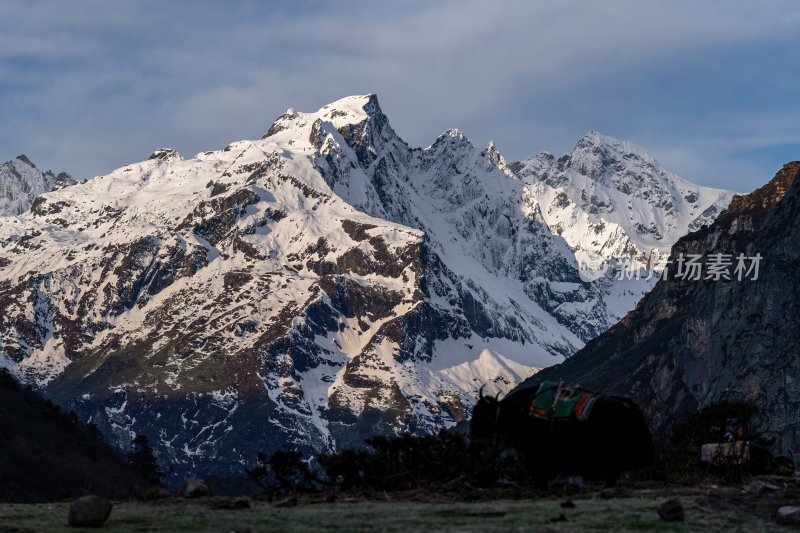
(556, 401)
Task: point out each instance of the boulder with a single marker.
(671, 510)
(193, 488)
(788, 515)
(89, 511)
(759, 487)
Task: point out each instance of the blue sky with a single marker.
(709, 88)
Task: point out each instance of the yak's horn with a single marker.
(480, 391)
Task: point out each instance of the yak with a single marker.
(609, 437)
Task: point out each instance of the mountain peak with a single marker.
(454, 133)
(759, 203)
(355, 108)
(164, 153)
(24, 159)
(453, 136)
(344, 112)
(451, 139)
(613, 198)
(595, 137)
(495, 156)
(598, 144)
(21, 182)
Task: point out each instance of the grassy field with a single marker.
(705, 511)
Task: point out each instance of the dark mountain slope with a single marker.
(690, 343)
(46, 454)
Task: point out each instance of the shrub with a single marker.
(679, 460)
(285, 470)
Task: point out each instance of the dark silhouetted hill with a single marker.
(46, 454)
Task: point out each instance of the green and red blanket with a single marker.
(557, 401)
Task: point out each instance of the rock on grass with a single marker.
(89, 511)
(788, 515)
(671, 510)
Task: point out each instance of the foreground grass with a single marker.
(590, 513)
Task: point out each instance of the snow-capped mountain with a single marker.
(316, 286)
(21, 182)
(614, 199)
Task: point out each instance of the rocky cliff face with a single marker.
(21, 182)
(692, 342)
(316, 286)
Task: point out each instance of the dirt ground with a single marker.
(707, 508)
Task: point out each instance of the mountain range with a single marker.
(325, 282)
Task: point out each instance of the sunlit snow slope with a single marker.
(613, 198)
